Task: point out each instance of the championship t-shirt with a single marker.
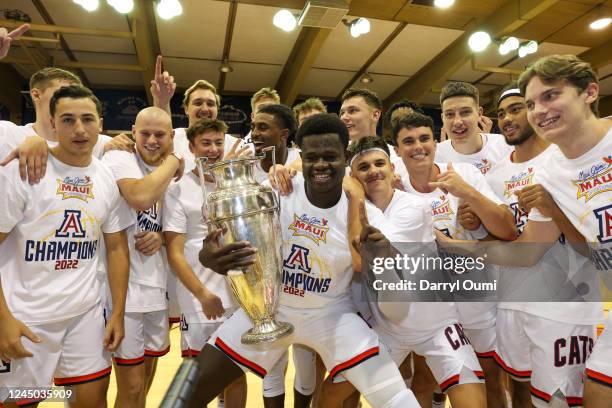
(494, 149)
(148, 273)
(558, 267)
(55, 231)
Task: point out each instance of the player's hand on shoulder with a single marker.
(114, 332)
(148, 242)
(11, 331)
(223, 258)
(284, 175)
(120, 142)
(536, 196)
(32, 155)
(468, 218)
(211, 305)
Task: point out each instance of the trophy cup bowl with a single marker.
(248, 211)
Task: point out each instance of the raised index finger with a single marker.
(18, 31)
(158, 66)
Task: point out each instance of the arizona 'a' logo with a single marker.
(309, 227)
(298, 259)
(441, 209)
(604, 216)
(518, 182)
(71, 226)
(596, 180)
(75, 187)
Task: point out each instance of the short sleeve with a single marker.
(174, 217)
(123, 165)
(120, 215)
(12, 206)
(477, 180)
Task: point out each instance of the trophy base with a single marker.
(266, 332)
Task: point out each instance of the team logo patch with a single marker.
(309, 227)
(596, 180)
(75, 187)
(71, 226)
(604, 215)
(298, 259)
(518, 181)
(441, 209)
(484, 166)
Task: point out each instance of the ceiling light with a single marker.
(285, 20)
(226, 67)
(443, 3)
(122, 6)
(167, 9)
(366, 79)
(508, 45)
(479, 41)
(89, 5)
(530, 48)
(359, 26)
(600, 23)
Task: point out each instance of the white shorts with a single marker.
(599, 364)
(146, 334)
(483, 341)
(336, 332)
(549, 354)
(448, 354)
(70, 352)
(194, 335)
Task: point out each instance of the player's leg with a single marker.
(90, 394)
(304, 383)
(598, 385)
(129, 363)
(484, 341)
(224, 357)
(235, 394)
(157, 342)
(320, 376)
(273, 384)
(423, 381)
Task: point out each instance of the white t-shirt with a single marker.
(494, 149)
(506, 179)
(261, 175)
(55, 231)
(148, 272)
(444, 209)
(581, 188)
(317, 263)
(181, 146)
(408, 219)
(11, 136)
(183, 214)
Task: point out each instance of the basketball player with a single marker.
(411, 327)
(308, 108)
(462, 119)
(561, 94)
(50, 294)
(142, 178)
(203, 295)
(315, 295)
(534, 337)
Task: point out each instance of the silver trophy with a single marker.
(248, 211)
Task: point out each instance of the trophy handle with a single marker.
(273, 149)
(201, 162)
